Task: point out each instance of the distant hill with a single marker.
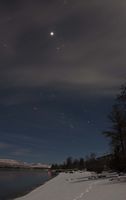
(8, 163)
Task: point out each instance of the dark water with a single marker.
(14, 183)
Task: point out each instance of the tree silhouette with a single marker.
(117, 133)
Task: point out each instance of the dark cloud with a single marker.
(92, 34)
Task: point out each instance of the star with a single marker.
(52, 34)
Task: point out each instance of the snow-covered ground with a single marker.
(79, 186)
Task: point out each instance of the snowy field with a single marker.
(80, 186)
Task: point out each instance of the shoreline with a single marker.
(22, 194)
(78, 186)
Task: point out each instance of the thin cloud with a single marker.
(4, 145)
(21, 152)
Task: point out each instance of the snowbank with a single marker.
(78, 186)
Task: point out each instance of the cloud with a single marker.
(21, 152)
(93, 35)
(80, 78)
(4, 145)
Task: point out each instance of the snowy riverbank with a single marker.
(76, 186)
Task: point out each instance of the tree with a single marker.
(117, 134)
(75, 164)
(81, 164)
(122, 103)
(69, 163)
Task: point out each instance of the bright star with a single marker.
(52, 33)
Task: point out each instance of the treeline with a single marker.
(90, 163)
(116, 160)
(117, 132)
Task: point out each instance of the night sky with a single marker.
(62, 63)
